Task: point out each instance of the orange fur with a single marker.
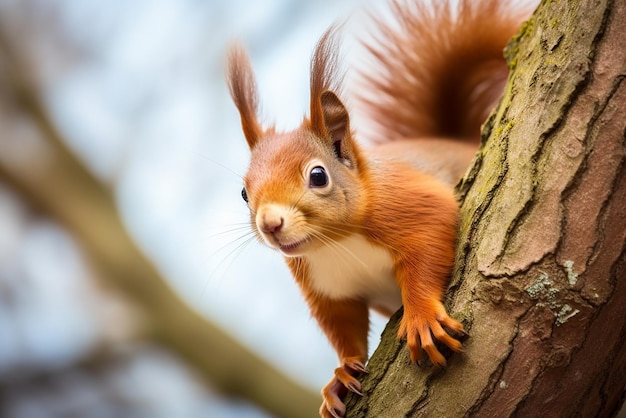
(442, 70)
(376, 228)
(242, 88)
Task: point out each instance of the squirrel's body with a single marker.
(375, 228)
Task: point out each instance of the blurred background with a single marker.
(129, 282)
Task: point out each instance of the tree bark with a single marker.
(539, 280)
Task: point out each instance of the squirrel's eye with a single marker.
(318, 177)
(244, 195)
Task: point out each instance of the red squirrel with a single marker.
(375, 227)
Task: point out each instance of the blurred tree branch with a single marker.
(59, 186)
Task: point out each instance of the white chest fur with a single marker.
(356, 269)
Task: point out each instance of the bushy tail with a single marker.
(439, 68)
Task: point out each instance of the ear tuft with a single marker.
(329, 117)
(242, 86)
(325, 76)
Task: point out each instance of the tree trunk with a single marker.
(539, 281)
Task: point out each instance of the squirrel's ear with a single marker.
(242, 86)
(336, 118)
(329, 116)
(337, 125)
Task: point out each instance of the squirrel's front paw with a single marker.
(338, 387)
(418, 325)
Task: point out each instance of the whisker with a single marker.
(299, 267)
(334, 244)
(248, 235)
(294, 205)
(240, 244)
(217, 163)
(341, 256)
(345, 231)
(244, 226)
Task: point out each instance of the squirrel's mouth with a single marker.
(292, 249)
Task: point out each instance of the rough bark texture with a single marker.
(540, 280)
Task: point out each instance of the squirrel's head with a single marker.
(303, 187)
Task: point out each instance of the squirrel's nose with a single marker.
(270, 219)
(272, 226)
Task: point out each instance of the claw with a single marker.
(335, 413)
(343, 381)
(451, 324)
(326, 411)
(355, 388)
(419, 327)
(345, 377)
(357, 366)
